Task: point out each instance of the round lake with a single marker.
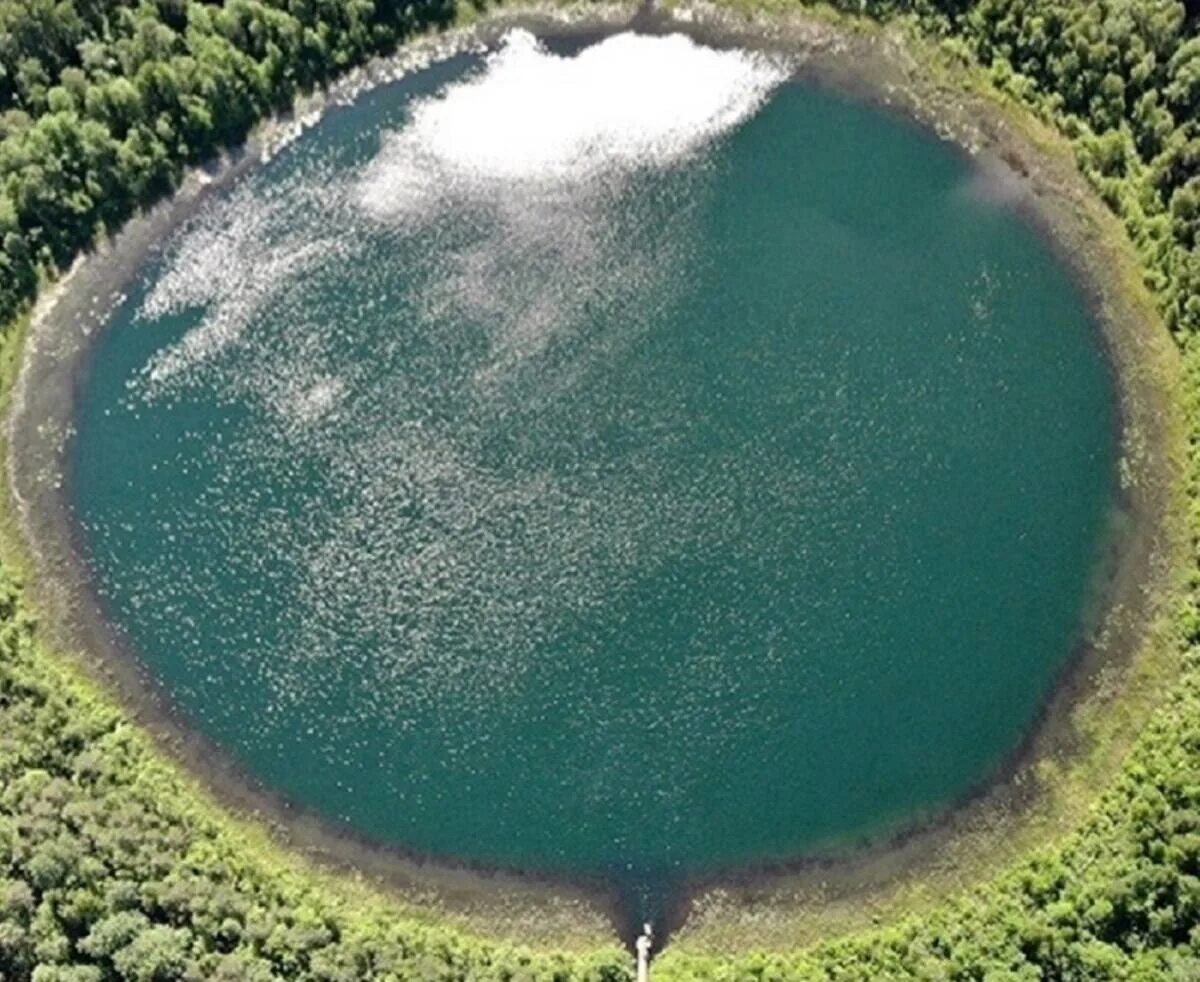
(630, 461)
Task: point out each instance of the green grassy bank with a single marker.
(115, 865)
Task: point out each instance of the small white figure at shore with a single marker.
(644, 943)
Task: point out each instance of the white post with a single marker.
(643, 953)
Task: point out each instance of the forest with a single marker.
(110, 868)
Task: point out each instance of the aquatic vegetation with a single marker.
(110, 867)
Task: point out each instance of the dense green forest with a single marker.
(111, 869)
(105, 102)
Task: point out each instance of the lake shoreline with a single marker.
(834, 54)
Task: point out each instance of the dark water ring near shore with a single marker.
(662, 494)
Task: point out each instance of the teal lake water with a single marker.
(635, 491)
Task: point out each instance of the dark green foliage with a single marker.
(1122, 79)
(104, 102)
(110, 869)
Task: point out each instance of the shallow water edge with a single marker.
(871, 64)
